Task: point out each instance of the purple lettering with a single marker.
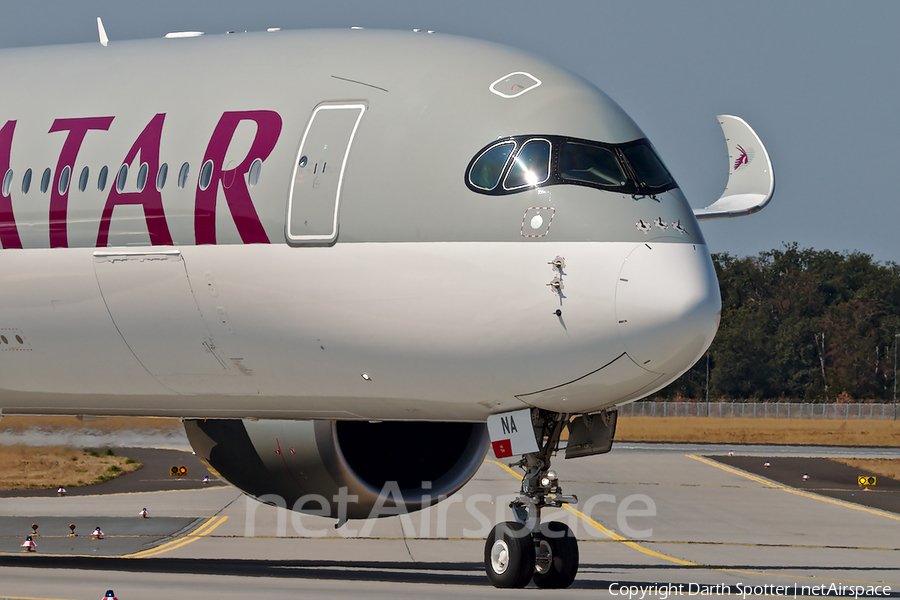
(9, 233)
(77, 129)
(234, 185)
(150, 198)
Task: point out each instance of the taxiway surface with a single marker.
(647, 515)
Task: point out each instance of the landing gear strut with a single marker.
(525, 549)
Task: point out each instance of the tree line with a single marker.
(800, 324)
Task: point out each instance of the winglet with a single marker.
(751, 181)
(104, 41)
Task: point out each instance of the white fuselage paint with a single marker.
(443, 330)
(434, 303)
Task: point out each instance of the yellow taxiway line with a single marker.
(790, 490)
(609, 533)
(195, 535)
(623, 540)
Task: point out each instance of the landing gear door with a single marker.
(314, 200)
(592, 434)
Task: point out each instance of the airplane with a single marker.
(351, 262)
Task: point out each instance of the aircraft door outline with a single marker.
(314, 199)
(151, 302)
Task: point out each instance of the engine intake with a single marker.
(389, 467)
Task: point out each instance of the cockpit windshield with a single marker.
(590, 164)
(485, 173)
(530, 167)
(647, 167)
(524, 162)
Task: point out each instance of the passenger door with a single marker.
(314, 200)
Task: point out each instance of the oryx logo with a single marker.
(743, 158)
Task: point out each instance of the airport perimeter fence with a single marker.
(761, 410)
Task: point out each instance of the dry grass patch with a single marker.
(759, 431)
(48, 467)
(883, 467)
(110, 425)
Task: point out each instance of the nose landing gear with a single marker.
(525, 549)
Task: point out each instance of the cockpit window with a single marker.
(528, 161)
(485, 173)
(591, 164)
(647, 167)
(530, 167)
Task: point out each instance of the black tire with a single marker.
(509, 555)
(563, 547)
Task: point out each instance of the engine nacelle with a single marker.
(390, 467)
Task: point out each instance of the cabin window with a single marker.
(183, 175)
(590, 164)
(488, 167)
(253, 175)
(206, 174)
(531, 165)
(7, 182)
(45, 181)
(101, 181)
(26, 182)
(83, 180)
(161, 176)
(122, 178)
(142, 177)
(64, 176)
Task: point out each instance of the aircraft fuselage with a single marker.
(285, 225)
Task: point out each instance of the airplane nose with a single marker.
(667, 305)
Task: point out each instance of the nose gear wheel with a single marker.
(558, 569)
(509, 555)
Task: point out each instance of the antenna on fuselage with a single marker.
(104, 41)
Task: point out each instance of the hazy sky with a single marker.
(819, 82)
